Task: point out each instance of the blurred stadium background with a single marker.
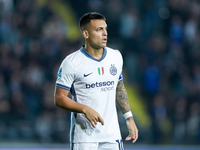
(160, 43)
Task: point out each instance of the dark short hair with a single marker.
(89, 16)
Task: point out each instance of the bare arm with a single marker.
(123, 104)
(62, 100)
(122, 98)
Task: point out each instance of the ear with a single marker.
(85, 34)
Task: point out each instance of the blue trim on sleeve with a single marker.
(121, 77)
(91, 57)
(62, 86)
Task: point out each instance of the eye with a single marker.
(99, 29)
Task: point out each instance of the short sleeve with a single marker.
(65, 76)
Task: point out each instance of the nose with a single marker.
(105, 33)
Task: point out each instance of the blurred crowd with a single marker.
(160, 43)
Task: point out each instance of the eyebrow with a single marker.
(102, 27)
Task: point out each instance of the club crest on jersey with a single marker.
(113, 70)
(60, 73)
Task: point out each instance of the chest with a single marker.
(95, 73)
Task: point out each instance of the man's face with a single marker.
(97, 33)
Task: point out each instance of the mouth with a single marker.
(104, 40)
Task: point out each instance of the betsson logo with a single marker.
(106, 86)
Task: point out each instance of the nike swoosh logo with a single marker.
(85, 75)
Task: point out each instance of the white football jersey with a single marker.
(93, 83)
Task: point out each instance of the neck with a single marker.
(96, 53)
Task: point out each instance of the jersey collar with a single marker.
(91, 57)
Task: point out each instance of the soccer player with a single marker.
(92, 76)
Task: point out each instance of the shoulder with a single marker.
(67, 63)
(114, 52)
(72, 58)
